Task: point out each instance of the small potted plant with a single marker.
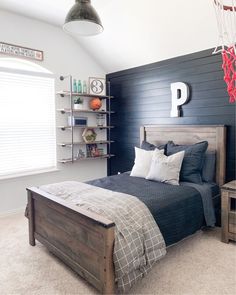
(78, 103)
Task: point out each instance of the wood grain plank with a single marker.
(66, 243)
(232, 228)
(71, 263)
(198, 56)
(63, 207)
(82, 233)
(232, 236)
(231, 186)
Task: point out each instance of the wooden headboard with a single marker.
(190, 134)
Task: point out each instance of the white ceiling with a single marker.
(136, 32)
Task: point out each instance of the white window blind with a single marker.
(27, 123)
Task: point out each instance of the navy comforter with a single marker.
(177, 210)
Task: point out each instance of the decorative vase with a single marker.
(78, 106)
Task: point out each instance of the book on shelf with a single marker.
(94, 151)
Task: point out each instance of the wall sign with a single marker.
(180, 95)
(19, 51)
(97, 86)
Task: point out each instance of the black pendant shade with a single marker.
(83, 20)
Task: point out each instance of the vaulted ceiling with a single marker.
(136, 32)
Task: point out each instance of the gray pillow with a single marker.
(151, 147)
(193, 160)
(209, 167)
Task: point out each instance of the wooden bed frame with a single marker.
(84, 240)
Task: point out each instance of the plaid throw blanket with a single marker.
(138, 240)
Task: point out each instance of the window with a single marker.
(27, 118)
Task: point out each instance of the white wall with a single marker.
(62, 56)
(136, 32)
(139, 32)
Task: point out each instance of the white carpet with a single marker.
(199, 265)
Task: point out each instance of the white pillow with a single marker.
(142, 162)
(166, 169)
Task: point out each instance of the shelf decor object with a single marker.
(83, 133)
(78, 103)
(77, 121)
(97, 86)
(22, 52)
(81, 154)
(89, 135)
(95, 104)
(83, 20)
(100, 119)
(93, 151)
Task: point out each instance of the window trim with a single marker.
(30, 173)
(24, 72)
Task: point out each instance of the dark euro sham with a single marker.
(191, 170)
(151, 147)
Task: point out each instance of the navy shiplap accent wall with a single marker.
(143, 96)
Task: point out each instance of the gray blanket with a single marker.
(138, 240)
(207, 202)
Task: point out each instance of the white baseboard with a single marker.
(12, 212)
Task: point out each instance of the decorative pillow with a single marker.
(209, 167)
(193, 160)
(142, 162)
(151, 147)
(166, 169)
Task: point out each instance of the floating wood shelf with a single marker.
(83, 127)
(64, 161)
(67, 93)
(63, 111)
(68, 144)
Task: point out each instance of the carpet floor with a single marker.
(199, 265)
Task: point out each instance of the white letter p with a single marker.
(180, 95)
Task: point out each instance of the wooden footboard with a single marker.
(81, 239)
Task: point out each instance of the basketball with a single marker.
(95, 104)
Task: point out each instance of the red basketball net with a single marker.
(226, 21)
(229, 67)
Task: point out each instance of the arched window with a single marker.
(27, 118)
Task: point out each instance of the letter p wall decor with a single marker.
(180, 95)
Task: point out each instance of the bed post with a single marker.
(31, 218)
(109, 276)
(142, 134)
(221, 154)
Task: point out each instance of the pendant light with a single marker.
(83, 20)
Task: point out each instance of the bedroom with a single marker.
(143, 61)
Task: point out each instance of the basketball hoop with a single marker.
(226, 22)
